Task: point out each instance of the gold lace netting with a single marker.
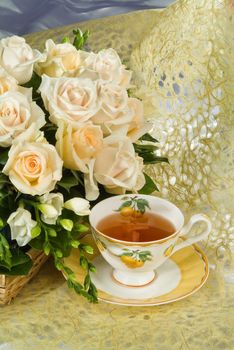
(184, 73)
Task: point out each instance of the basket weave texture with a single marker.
(10, 286)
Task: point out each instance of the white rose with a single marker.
(137, 127)
(18, 113)
(77, 144)
(21, 224)
(131, 119)
(7, 82)
(60, 60)
(33, 168)
(17, 58)
(109, 67)
(80, 206)
(51, 207)
(114, 105)
(91, 185)
(118, 168)
(32, 134)
(69, 99)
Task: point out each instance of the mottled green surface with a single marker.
(47, 315)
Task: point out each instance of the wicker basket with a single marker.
(10, 286)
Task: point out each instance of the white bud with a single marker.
(80, 206)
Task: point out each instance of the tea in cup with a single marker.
(137, 233)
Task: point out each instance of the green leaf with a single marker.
(22, 269)
(1, 223)
(126, 254)
(1, 252)
(51, 232)
(3, 159)
(77, 286)
(70, 283)
(143, 202)
(68, 182)
(144, 148)
(36, 231)
(46, 248)
(144, 253)
(151, 158)
(90, 294)
(34, 82)
(58, 253)
(93, 292)
(83, 263)
(66, 39)
(37, 243)
(19, 257)
(145, 256)
(21, 263)
(67, 224)
(81, 228)
(4, 180)
(4, 242)
(58, 265)
(87, 282)
(87, 248)
(148, 137)
(92, 268)
(5, 265)
(149, 186)
(141, 207)
(61, 242)
(75, 244)
(80, 38)
(6, 255)
(68, 271)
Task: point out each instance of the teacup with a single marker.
(157, 252)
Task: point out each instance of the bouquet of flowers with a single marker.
(70, 133)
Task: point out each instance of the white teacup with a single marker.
(137, 271)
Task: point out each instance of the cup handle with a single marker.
(186, 229)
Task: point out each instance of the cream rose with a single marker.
(114, 100)
(109, 67)
(21, 225)
(7, 82)
(131, 119)
(17, 58)
(18, 114)
(33, 168)
(69, 99)
(60, 60)
(118, 168)
(137, 126)
(77, 144)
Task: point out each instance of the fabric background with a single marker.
(26, 16)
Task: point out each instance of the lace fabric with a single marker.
(184, 74)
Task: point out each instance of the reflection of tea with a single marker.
(145, 228)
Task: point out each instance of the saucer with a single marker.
(184, 273)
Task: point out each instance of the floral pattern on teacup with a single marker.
(133, 206)
(135, 258)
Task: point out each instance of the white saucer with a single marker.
(180, 276)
